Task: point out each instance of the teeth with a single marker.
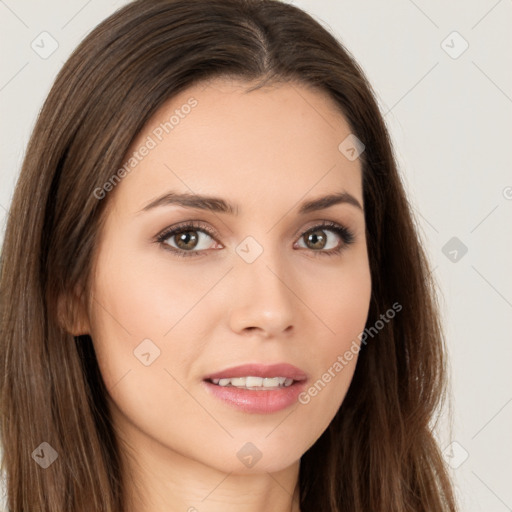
(255, 382)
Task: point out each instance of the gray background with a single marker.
(449, 112)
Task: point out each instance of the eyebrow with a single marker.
(219, 205)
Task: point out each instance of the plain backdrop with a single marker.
(442, 74)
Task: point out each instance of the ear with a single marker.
(72, 314)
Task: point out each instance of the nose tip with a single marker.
(262, 303)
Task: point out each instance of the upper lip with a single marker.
(260, 370)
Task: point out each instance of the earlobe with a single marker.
(72, 315)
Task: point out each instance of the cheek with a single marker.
(349, 317)
(147, 333)
(146, 305)
(343, 307)
(342, 301)
(149, 297)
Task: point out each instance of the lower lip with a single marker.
(260, 401)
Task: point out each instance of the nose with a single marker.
(262, 298)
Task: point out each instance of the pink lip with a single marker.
(259, 401)
(260, 370)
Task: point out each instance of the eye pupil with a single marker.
(184, 238)
(314, 237)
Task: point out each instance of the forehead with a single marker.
(280, 141)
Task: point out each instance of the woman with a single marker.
(213, 293)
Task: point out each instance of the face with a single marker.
(182, 290)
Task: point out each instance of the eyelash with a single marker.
(343, 232)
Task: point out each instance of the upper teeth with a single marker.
(254, 382)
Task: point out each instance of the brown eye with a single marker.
(186, 239)
(321, 238)
(316, 239)
(326, 239)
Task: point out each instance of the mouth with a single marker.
(257, 375)
(256, 388)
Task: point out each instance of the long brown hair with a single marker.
(379, 452)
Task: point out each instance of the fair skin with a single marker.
(266, 151)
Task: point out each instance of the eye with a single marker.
(318, 240)
(187, 239)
